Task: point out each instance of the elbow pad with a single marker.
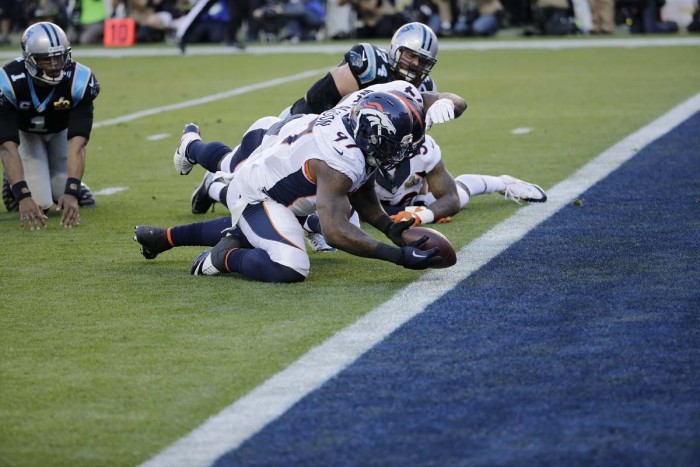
(323, 95)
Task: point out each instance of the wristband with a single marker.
(73, 187)
(426, 215)
(20, 190)
(388, 253)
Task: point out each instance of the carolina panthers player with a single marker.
(46, 114)
(413, 53)
(314, 163)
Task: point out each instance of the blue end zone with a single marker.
(580, 345)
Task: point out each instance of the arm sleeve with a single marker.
(9, 128)
(323, 95)
(80, 123)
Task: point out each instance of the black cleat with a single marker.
(85, 196)
(153, 240)
(201, 201)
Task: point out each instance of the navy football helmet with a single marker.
(413, 52)
(383, 127)
(46, 52)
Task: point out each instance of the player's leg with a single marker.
(35, 159)
(155, 240)
(212, 187)
(510, 187)
(278, 253)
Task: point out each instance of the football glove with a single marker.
(442, 110)
(412, 257)
(394, 230)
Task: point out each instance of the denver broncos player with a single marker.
(312, 163)
(317, 163)
(46, 114)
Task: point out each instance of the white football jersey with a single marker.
(394, 86)
(278, 169)
(402, 184)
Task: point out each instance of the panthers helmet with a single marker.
(46, 52)
(382, 125)
(413, 41)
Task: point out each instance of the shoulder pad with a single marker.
(6, 89)
(81, 81)
(363, 62)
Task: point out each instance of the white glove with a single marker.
(442, 110)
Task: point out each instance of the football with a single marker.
(435, 239)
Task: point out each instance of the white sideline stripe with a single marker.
(342, 47)
(239, 421)
(207, 99)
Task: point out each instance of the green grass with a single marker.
(107, 358)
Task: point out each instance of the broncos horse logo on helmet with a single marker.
(413, 52)
(46, 52)
(383, 127)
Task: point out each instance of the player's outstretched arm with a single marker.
(333, 206)
(68, 202)
(30, 213)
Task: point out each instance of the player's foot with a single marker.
(318, 243)
(183, 164)
(213, 262)
(153, 240)
(201, 201)
(85, 197)
(518, 190)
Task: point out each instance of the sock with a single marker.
(207, 233)
(215, 191)
(208, 155)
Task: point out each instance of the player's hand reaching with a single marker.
(412, 257)
(394, 230)
(70, 215)
(31, 215)
(442, 110)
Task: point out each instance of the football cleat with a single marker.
(153, 240)
(213, 262)
(318, 243)
(8, 197)
(518, 190)
(85, 197)
(201, 201)
(183, 164)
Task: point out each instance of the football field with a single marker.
(566, 334)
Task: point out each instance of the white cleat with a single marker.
(202, 265)
(518, 190)
(318, 243)
(183, 164)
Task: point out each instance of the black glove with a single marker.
(393, 230)
(412, 257)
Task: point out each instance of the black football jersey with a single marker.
(25, 105)
(370, 65)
